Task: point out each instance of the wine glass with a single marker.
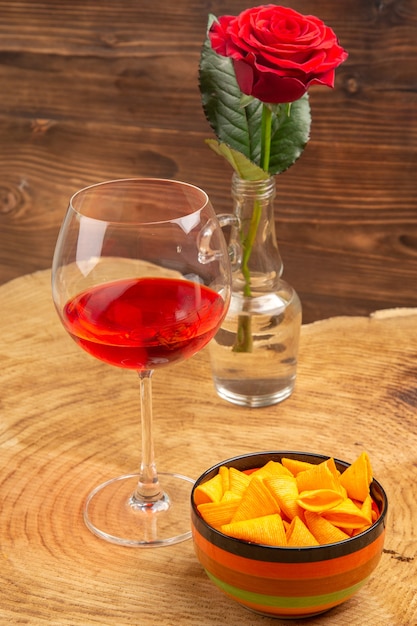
(141, 279)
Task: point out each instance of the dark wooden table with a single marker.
(67, 422)
(91, 91)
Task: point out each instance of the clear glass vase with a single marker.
(254, 354)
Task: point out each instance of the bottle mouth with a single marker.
(260, 189)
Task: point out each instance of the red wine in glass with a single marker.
(145, 322)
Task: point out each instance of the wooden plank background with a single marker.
(97, 89)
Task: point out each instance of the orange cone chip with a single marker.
(298, 534)
(224, 473)
(319, 500)
(346, 515)
(285, 491)
(267, 530)
(332, 467)
(257, 501)
(295, 466)
(272, 468)
(323, 530)
(321, 476)
(358, 531)
(357, 478)
(218, 513)
(238, 481)
(366, 508)
(230, 496)
(210, 491)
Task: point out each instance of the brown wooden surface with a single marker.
(68, 421)
(96, 90)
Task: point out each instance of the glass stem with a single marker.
(148, 489)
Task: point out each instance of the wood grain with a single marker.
(92, 91)
(67, 422)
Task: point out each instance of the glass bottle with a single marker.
(254, 354)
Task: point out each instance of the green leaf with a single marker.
(244, 168)
(236, 119)
(290, 134)
(233, 123)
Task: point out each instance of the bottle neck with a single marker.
(261, 265)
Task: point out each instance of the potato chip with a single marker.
(299, 535)
(357, 477)
(267, 530)
(257, 501)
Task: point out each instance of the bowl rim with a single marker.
(287, 553)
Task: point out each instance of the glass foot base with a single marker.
(110, 514)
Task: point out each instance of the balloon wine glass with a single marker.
(140, 280)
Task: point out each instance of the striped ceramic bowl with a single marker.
(287, 582)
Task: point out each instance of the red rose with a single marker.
(277, 52)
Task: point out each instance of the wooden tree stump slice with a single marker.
(68, 422)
